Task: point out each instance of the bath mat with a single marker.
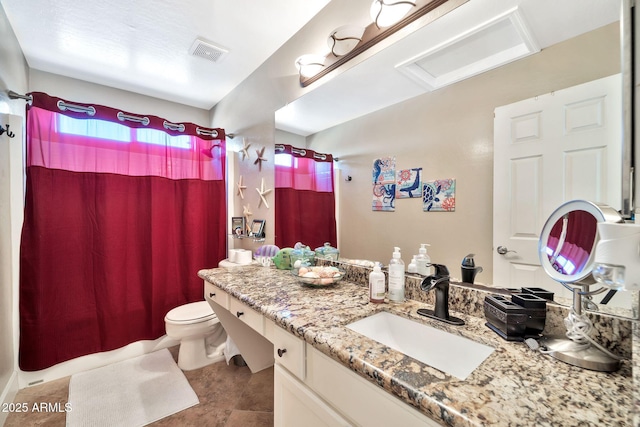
(134, 392)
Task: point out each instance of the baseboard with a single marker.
(8, 395)
(92, 361)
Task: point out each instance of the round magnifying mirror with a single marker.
(568, 240)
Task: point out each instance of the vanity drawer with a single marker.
(289, 351)
(217, 295)
(247, 315)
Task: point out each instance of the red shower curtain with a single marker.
(304, 194)
(119, 217)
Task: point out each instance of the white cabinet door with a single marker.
(548, 150)
(296, 405)
(357, 399)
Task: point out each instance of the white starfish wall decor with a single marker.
(260, 158)
(246, 212)
(241, 188)
(262, 191)
(245, 148)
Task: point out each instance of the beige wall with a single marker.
(13, 76)
(85, 92)
(449, 133)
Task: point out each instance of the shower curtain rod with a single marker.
(15, 95)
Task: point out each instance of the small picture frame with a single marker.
(238, 226)
(257, 228)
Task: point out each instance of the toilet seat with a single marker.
(195, 312)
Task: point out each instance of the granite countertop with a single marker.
(514, 386)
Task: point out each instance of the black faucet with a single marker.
(439, 281)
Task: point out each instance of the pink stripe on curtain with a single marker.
(105, 255)
(304, 198)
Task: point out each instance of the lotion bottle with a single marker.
(396, 277)
(376, 285)
(413, 267)
(423, 260)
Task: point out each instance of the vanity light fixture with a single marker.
(309, 65)
(344, 39)
(389, 17)
(385, 13)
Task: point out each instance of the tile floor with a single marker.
(230, 396)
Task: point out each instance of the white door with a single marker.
(547, 150)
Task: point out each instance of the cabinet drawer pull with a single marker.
(239, 313)
(211, 295)
(281, 351)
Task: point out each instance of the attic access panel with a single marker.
(496, 42)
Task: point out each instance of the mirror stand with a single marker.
(577, 348)
(567, 249)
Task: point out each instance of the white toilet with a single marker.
(202, 337)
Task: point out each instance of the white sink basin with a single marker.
(453, 354)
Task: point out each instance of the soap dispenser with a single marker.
(469, 269)
(413, 267)
(376, 285)
(396, 277)
(423, 261)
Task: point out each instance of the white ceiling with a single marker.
(143, 45)
(376, 83)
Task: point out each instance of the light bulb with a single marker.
(309, 65)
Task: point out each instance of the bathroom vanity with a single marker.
(328, 374)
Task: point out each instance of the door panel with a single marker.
(547, 150)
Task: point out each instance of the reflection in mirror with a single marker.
(570, 243)
(568, 240)
(304, 193)
(328, 100)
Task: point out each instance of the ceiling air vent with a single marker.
(207, 50)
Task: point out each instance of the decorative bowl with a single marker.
(318, 276)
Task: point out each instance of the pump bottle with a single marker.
(423, 260)
(376, 285)
(396, 277)
(413, 267)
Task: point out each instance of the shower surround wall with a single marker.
(14, 76)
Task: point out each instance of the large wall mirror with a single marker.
(345, 115)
